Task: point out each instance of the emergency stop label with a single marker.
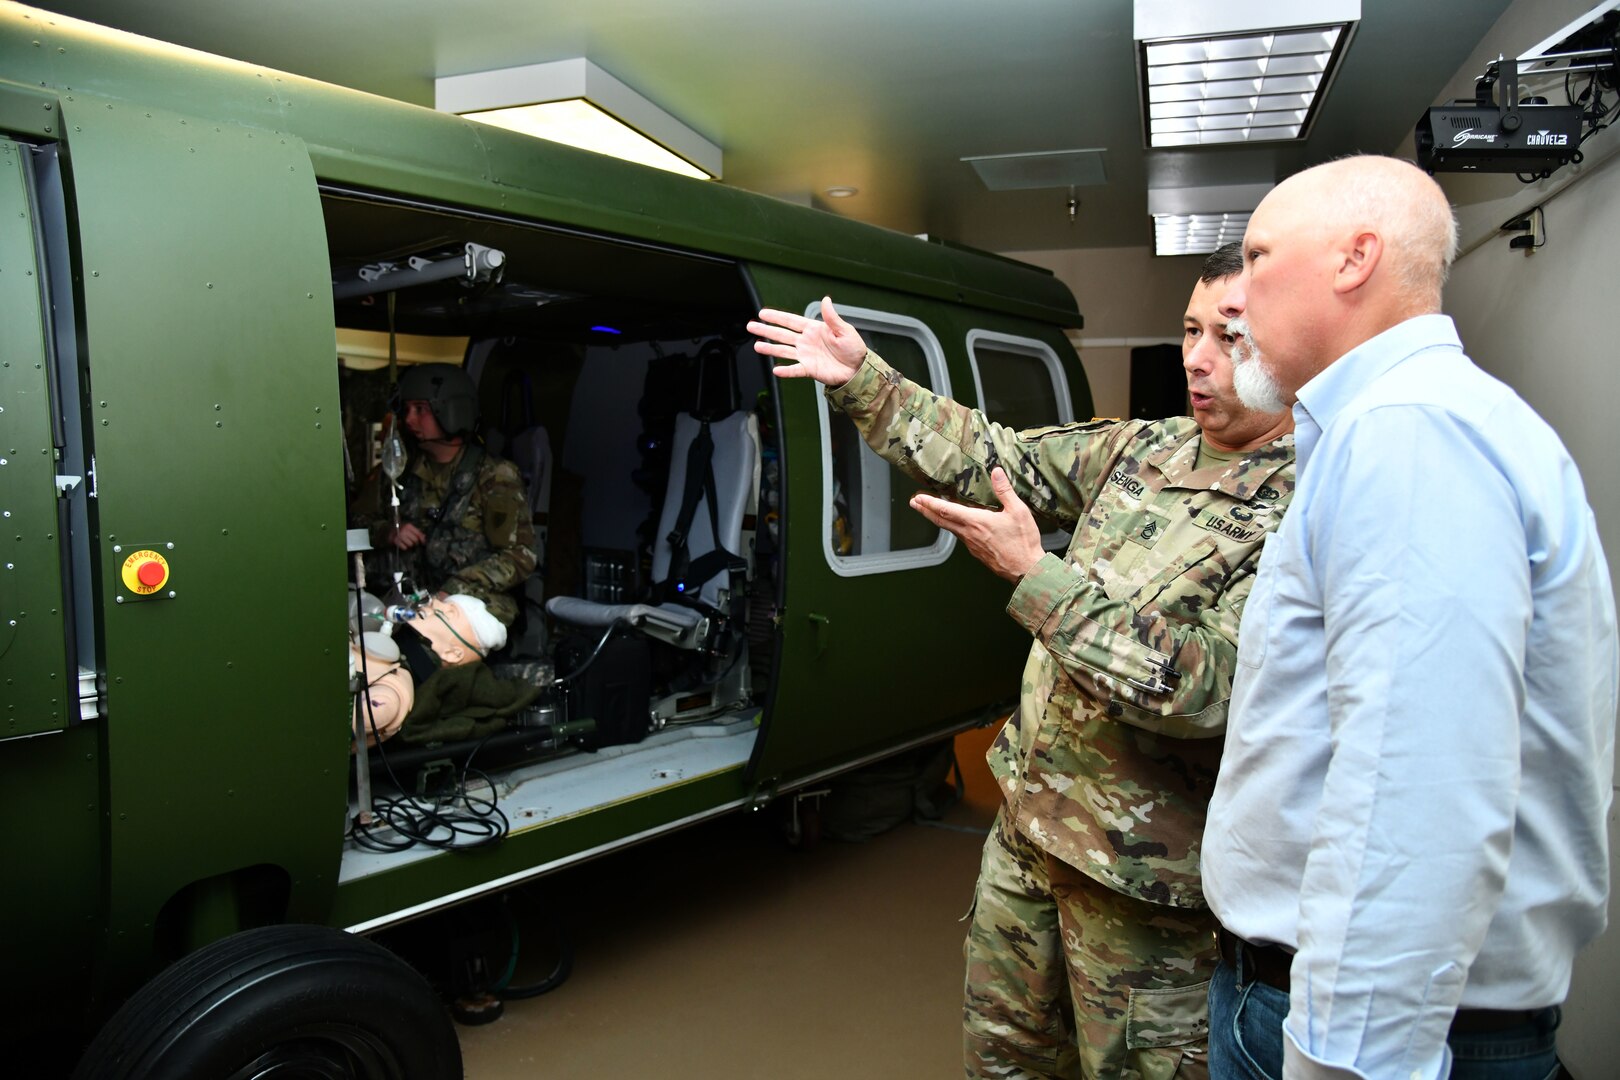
(145, 572)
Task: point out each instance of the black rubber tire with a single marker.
(285, 1002)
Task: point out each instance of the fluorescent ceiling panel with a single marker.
(576, 102)
(1241, 72)
(1196, 234)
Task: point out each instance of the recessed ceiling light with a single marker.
(577, 122)
(576, 102)
(842, 191)
(1212, 76)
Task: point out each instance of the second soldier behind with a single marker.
(464, 523)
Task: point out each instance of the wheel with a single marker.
(280, 1003)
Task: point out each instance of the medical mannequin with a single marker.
(459, 628)
(390, 690)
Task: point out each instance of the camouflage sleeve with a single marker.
(1056, 470)
(507, 526)
(1169, 676)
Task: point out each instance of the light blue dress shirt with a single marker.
(1420, 751)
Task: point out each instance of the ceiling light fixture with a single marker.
(1196, 234)
(842, 191)
(576, 102)
(1242, 72)
(1196, 221)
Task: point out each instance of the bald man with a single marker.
(1406, 844)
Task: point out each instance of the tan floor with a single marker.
(721, 953)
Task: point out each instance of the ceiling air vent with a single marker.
(1048, 169)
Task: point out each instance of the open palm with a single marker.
(829, 350)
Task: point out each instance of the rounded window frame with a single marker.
(881, 562)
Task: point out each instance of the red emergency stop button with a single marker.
(145, 572)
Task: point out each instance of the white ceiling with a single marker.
(883, 95)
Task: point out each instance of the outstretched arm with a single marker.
(829, 351)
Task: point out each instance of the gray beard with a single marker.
(1255, 385)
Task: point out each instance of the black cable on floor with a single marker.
(559, 973)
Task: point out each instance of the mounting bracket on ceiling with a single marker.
(474, 264)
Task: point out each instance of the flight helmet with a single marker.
(449, 392)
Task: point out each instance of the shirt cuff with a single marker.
(1040, 592)
(1299, 1065)
(864, 386)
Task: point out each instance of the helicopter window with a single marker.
(1021, 384)
(869, 526)
(1018, 380)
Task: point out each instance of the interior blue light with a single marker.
(606, 330)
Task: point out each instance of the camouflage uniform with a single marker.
(1108, 764)
(488, 551)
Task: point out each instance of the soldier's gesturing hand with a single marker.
(829, 351)
(1008, 540)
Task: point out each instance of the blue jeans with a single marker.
(1246, 1038)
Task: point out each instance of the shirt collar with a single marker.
(431, 467)
(1333, 388)
(1239, 478)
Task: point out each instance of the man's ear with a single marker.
(1361, 256)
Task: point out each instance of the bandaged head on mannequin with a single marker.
(390, 691)
(460, 629)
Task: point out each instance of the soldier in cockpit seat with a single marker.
(464, 523)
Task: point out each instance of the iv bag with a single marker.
(393, 452)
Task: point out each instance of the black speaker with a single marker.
(1158, 384)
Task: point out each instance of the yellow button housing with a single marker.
(145, 572)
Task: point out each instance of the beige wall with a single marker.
(1128, 297)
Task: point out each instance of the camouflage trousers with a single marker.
(1068, 978)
